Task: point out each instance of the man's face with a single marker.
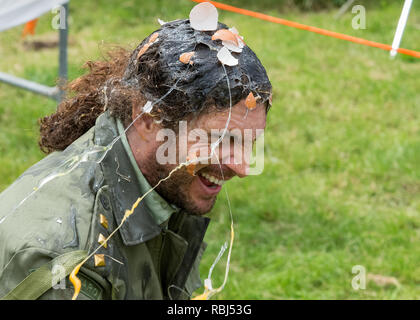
(196, 193)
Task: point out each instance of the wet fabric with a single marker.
(55, 207)
(43, 279)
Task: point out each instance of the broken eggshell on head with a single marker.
(226, 57)
(199, 82)
(204, 17)
(186, 57)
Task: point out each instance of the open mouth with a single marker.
(210, 181)
(210, 184)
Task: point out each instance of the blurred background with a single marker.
(341, 184)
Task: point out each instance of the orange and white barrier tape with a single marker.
(310, 28)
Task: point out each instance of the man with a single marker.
(104, 143)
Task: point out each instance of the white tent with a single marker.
(17, 12)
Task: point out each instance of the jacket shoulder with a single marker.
(48, 209)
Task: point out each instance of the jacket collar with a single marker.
(125, 186)
(158, 207)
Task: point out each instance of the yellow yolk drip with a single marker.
(210, 292)
(73, 275)
(77, 284)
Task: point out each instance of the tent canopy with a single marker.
(16, 12)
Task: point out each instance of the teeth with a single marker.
(213, 179)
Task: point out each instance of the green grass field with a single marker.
(341, 184)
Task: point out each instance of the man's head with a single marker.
(182, 91)
(198, 96)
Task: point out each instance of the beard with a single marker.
(176, 188)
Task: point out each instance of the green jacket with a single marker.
(69, 199)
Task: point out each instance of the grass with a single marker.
(341, 182)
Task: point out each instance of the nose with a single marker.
(240, 169)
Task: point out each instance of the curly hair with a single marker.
(153, 72)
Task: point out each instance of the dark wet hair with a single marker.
(179, 91)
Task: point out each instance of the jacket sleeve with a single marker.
(20, 265)
(32, 273)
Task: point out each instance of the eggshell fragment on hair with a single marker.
(232, 47)
(250, 101)
(226, 36)
(185, 58)
(230, 39)
(226, 57)
(147, 108)
(153, 38)
(204, 16)
(234, 30)
(143, 50)
(161, 22)
(241, 42)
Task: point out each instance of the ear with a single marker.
(144, 125)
